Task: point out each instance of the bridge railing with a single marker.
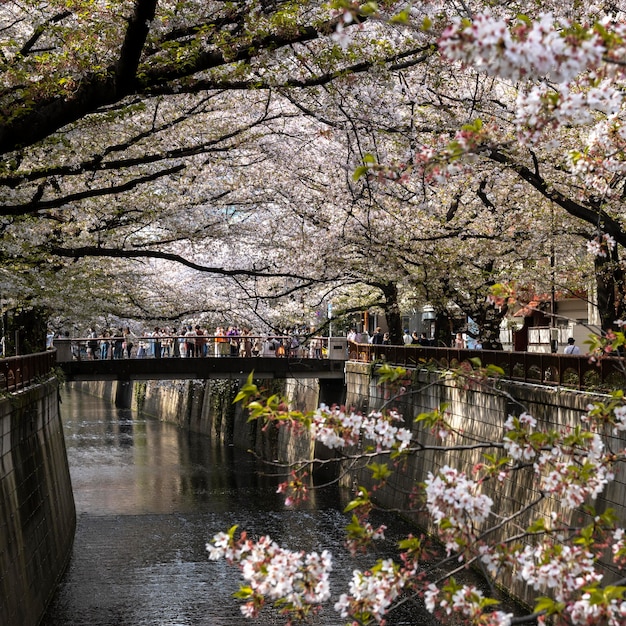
(75, 348)
(17, 372)
(573, 371)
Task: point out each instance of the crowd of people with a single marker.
(230, 341)
(225, 341)
(196, 342)
(383, 339)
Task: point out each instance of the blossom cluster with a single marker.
(561, 568)
(342, 35)
(454, 498)
(515, 51)
(620, 419)
(466, 601)
(618, 547)
(573, 469)
(587, 611)
(373, 592)
(337, 428)
(601, 245)
(297, 580)
(570, 80)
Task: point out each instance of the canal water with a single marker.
(150, 495)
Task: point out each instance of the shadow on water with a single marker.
(149, 496)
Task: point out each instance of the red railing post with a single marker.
(17, 372)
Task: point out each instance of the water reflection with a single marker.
(148, 497)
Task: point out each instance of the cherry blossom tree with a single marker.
(149, 136)
(559, 105)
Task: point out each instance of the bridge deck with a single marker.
(202, 368)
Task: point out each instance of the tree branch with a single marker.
(593, 216)
(36, 204)
(117, 253)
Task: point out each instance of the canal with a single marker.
(150, 495)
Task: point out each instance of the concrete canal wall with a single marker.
(37, 513)
(479, 415)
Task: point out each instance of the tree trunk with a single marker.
(488, 318)
(392, 313)
(443, 329)
(610, 286)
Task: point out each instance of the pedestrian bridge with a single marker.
(202, 368)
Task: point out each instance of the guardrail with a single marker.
(572, 371)
(17, 372)
(76, 348)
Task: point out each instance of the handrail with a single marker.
(70, 347)
(18, 372)
(571, 371)
(110, 338)
(565, 370)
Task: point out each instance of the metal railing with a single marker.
(76, 348)
(572, 371)
(18, 372)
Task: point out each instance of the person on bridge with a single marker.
(200, 343)
(190, 342)
(232, 333)
(571, 347)
(156, 343)
(175, 339)
(377, 337)
(222, 347)
(129, 342)
(92, 345)
(104, 344)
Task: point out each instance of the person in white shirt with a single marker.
(571, 348)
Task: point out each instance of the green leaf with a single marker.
(549, 606)
(244, 593)
(249, 390)
(403, 18)
(380, 471)
(359, 172)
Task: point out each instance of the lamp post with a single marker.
(330, 318)
(554, 338)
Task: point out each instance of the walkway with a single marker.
(202, 368)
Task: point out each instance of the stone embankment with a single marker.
(479, 415)
(37, 513)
